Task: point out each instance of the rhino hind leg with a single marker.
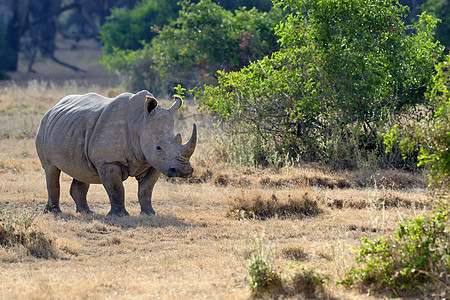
(78, 191)
(52, 174)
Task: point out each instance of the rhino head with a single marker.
(161, 147)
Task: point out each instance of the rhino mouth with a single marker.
(174, 172)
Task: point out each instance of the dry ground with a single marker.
(196, 247)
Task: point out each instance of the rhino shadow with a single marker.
(125, 222)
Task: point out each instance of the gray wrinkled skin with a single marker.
(95, 139)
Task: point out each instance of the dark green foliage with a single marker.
(345, 69)
(262, 5)
(440, 9)
(127, 29)
(418, 253)
(430, 138)
(204, 38)
(434, 132)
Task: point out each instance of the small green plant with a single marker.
(419, 252)
(265, 278)
(262, 276)
(14, 215)
(180, 91)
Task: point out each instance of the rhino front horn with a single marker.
(188, 149)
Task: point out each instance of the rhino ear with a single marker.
(150, 104)
(176, 104)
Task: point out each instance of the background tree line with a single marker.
(31, 26)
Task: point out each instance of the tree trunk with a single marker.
(15, 18)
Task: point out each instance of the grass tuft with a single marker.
(250, 205)
(310, 284)
(16, 232)
(294, 253)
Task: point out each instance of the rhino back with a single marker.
(80, 126)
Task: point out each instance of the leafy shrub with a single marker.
(204, 38)
(441, 10)
(127, 29)
(419, 252)
(139, 70)
(263, 277)
(434, 132)
(267, 279)
(344, 71)
(430, 137)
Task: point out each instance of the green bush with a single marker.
(440, 9)
(263, 277)
(344, 71)
(434, 132)
(204, 38)
(126, 29)
(419, 252)
(430, 138)
(266, 279)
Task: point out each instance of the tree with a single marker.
(14, 18)
(431, 136)
(345, 69)
(440, 9)
(130, 29)
(36, 23)
(434, 131)
(204, 38)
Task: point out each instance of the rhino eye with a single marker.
(158, 148)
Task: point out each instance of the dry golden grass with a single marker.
(195, 248)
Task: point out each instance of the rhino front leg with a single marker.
(145, 190)
(78, 191)
(111, 177)
(52, 174)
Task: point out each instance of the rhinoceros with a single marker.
(100, 140)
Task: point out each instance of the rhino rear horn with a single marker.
(177, 139)
(188, 149)
(176, 105)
